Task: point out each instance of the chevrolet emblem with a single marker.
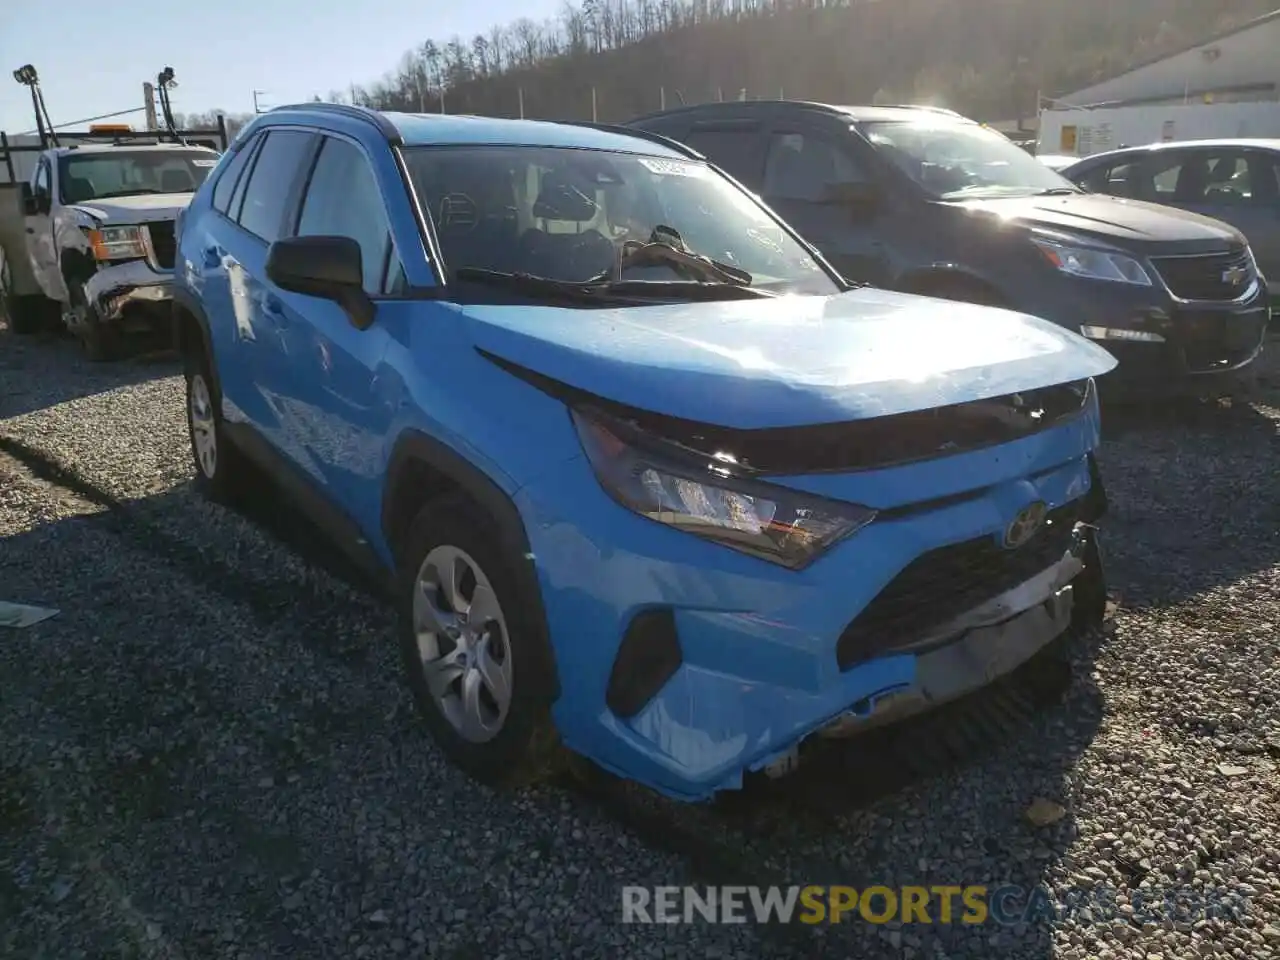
(1234, 276)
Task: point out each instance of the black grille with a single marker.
(1219, 276)
(940, 585)
(162, 243)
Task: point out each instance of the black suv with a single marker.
(926, 201)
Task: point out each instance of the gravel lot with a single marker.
(209, 752)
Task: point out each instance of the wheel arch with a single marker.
(421, 469)
(190, 328)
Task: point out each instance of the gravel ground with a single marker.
(209, 751)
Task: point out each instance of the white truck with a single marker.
(87, 235)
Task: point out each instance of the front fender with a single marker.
(918, 278)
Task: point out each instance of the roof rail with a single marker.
(639, 134)
(922, 106)
(385, 126)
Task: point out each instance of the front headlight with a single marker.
(700, 495)
(1093, 264)
(117, 243)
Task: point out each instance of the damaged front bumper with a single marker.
(982, 645)
(688, 668)
(133, 296)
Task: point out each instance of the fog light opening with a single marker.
(1119, 333)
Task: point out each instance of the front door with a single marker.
(339, 419)
(41, 250)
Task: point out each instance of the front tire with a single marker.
(470, 654)
(219, 465)
(100, 343)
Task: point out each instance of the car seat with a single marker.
(176, 180)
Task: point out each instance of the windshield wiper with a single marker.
(605, 291)
(1057, 192)
(687, 289)
(667, 247)
(532, 283)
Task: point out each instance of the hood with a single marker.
(1110, 219)
(143, 208)
(789, 361)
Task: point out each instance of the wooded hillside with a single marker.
(985, 58)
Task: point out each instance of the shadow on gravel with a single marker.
(64, 373)
(937, 801)
(1189, 486)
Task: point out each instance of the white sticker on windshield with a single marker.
(672, 168)
(204, 163)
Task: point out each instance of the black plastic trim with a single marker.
(819, 448)
(334, 524)
(647, 658)
(183, 299)
(415, 446)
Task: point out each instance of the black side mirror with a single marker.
(861, 199)
(30, 206)
(326, 267)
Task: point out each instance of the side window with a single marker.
(230, 175)
(801, 167)
(279, 161)
(237, 195)
(343, 200)
(1231, 182)
(736, 150)
(397, 283)
(40, 184)
(1116, 179)
(1209, 177)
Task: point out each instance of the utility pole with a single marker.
(149, 105)
(256, 106)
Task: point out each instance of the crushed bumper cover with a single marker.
(982, 645)
(131, 294)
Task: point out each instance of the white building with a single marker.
(1238, 64)
(1226, 85)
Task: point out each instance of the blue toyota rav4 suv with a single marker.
(644, 477)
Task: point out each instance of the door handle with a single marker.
(274, 309)
(212, 257)
(31, 230)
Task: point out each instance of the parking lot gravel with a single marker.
(209, 752)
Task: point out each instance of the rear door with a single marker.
(736, 146)
(256, 373)
(805, 165)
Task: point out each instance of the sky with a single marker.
(220, 51)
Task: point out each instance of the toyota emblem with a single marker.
(1024, 526)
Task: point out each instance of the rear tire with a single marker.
(220, 467)
(24, 315)
(473, 662)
